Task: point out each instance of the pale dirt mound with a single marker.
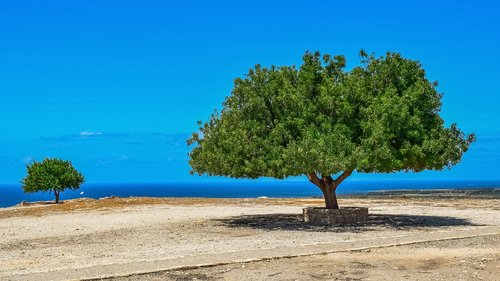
(38, 209)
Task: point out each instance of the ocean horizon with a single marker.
(12, 194)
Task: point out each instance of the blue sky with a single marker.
(117, 86)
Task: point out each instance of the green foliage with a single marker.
(382, 117)
(54, 175)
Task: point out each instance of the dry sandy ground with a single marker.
(249, 239)
(474, 258)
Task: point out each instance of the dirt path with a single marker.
(114, 238)
(472, 258)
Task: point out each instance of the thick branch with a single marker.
(317, 181)
(328, 186)
(327, 179)
(342, 177)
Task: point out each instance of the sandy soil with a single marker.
(404, 238)
(474, 258)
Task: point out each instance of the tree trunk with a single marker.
(329, 187)
(330, 198)
(56, 192)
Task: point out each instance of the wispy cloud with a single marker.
(6, 159)
(84, 135)
(90, 134)
(170, 142)
(486, 148)
(113, 160)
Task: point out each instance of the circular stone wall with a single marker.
(346, 215)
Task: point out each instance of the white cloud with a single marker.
(89, 134)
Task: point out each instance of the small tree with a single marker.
(320, 120)
(53, 175)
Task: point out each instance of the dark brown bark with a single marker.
(329, 187)
(56, 192)
(330, 198)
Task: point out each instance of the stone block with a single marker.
(323, 216)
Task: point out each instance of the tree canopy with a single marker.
(321, 119)
(53, 175)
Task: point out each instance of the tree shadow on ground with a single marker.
(294, 222)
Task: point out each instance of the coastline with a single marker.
(451, 192)
(13, 194)
(485, 193)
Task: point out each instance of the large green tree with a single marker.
(52, 175)
(325, 122)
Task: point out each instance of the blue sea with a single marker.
(12, 194)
